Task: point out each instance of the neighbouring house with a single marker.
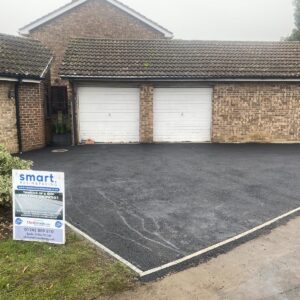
(184, 91)
(109, 19)
(24, 82)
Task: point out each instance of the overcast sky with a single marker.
(187, 19)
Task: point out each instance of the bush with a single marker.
(7, 164)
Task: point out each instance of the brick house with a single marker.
(24, 81)
(86, 18)
(124, 80)
(184, 91)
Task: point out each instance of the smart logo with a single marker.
(37, 178)
(58, 224)
(19, 221)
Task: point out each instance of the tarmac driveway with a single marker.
(153, 204)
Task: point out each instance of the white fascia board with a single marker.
(76, 77)
(31, 81)
(8, 79)
(26, 29)
(47, 67)
(133, 13)
(22, 80)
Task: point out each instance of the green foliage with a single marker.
(59, 128)
(72, 271)
(146, 65)
(62, 126)
(295, 35)
(297, 13)
(7, 164)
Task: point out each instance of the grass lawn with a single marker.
(74, 271)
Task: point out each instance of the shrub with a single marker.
(7, 164)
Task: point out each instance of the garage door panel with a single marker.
(185, 91)
(109, 115)
(115, 117)
(182, 115)
(98, 132)
(107, 138)
(180, 110)
(116, 106)
(107, 126)
(169, 116)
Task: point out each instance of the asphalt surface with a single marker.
(153, 204)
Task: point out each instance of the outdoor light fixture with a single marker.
(12, 94)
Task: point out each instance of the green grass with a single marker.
(74, 271)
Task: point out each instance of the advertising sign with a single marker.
(39, 206)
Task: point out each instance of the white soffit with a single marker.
(26, 29)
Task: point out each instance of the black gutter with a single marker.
(17, 99)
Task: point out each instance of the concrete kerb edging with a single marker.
(200, 256)
(105, 249)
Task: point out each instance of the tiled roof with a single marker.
(22, 57)
(179, 59)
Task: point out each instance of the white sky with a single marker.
(187, 19)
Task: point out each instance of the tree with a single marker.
(295, 35)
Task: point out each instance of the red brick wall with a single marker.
(256, 112)
(8, 127)
(95, 18)
(146, 113)
(32, 116)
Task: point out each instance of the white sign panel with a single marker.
(39, 206)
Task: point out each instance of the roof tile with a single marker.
(22, 57)
(179, 59)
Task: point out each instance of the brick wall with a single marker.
(95, 18)
(32, 116)
(8, 128)
(146, 113)
(256, 112)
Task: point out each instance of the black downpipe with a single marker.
(19, 132)
(74, 115)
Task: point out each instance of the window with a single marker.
(59, 99)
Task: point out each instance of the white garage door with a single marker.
(182, 114)
(109, 115)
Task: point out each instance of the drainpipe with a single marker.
(73, 112)
(17, 99)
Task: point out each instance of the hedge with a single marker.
(7, 164)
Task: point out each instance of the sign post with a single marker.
(39, 206)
